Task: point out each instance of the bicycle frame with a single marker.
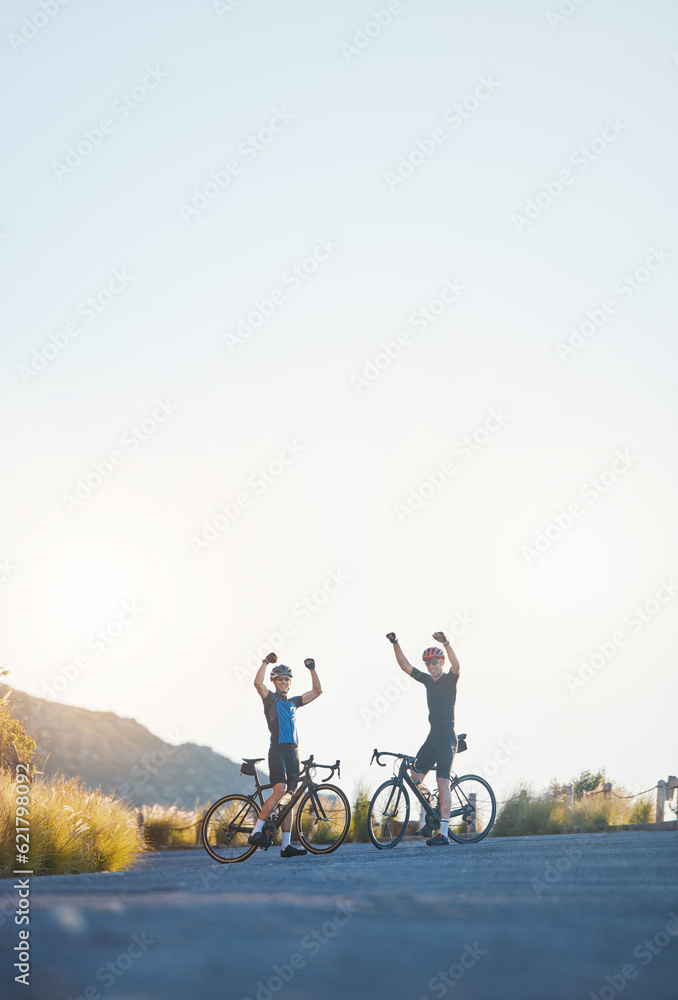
(430, 812)
(306, 783)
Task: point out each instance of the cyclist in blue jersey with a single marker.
(283, 755)
(439, 746)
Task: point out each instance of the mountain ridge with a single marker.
(123, 757)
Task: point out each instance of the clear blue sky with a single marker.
(543, 204)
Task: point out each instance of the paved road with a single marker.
(549, 918)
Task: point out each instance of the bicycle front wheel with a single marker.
(323, 819)
(474, 808)
(388, 814)
(226, 827)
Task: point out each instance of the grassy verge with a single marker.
(72, 830)
(526, 813)
(169, 826)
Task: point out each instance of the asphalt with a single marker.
(549, 918)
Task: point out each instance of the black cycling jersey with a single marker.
(279, 711)
(440, 695)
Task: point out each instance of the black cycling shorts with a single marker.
(437, 751)
(283, 764)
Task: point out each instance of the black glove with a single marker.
(440, 637)
(310, 664)
(271, 658)
(391, 636)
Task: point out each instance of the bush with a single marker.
(358, 831)
(169, 826)
(525, 814)
(16, 747)
(72, 830)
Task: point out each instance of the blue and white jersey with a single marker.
(280, 716)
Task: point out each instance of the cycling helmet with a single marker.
(280, 670)
(432, 653)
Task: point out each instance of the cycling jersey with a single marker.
(280, 716)
(441, 695)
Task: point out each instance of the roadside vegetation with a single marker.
(591, 808)
(67, 828)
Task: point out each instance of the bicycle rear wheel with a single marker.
(226, 827)
(323, 819)
(388, 814)
(474, 808)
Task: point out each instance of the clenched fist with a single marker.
(391, 636)
(271, 658)
(440, 637)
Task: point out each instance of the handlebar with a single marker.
(311, 762)
(388, 753)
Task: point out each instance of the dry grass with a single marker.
(526, 814)
(72, 830)
(169, 826)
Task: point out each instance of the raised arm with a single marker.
(316, 689)
(403, 662)
(262, 690)
(451, 656)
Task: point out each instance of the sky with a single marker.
(322, 321)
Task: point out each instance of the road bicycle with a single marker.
(321, 824)
(472, 814)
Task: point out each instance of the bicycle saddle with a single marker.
(252, 760)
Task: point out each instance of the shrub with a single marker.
(169, 826)
(16, 747)
(72, 829)
(358, 831)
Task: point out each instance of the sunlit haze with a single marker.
(318, 327)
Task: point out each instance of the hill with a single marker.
(121, 756)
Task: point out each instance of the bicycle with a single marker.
(321, 824)
(472, 815)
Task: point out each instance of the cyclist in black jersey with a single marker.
(439, 746)
(283, 755)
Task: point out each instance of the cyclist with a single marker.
(439, 746)
(283, 755)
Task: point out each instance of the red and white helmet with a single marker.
(433, 653)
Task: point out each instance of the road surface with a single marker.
(549, 918)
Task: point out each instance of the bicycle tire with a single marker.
(485, 811)
(225, 818)
(306, 820)
(389, 835)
